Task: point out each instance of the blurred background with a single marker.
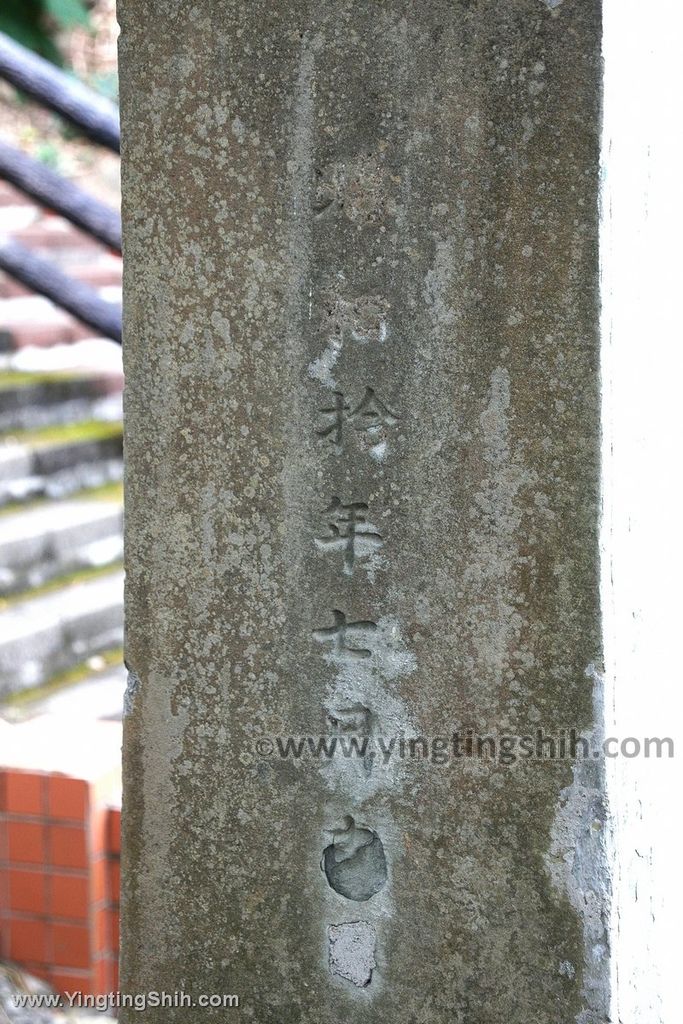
(61, 577)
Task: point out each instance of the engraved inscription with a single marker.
(356, 187)
(324, 192)
(349, 533)
(337, 635)
(337, 415)
(369, 415)
(363, 319)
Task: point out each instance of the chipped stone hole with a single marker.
(354, 863)
(363, 319)
(355, 718)
(132, 689)
(352, 951)
(356, 183)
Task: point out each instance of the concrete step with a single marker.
(32, 400)
(91, 692)
(58, 461)
(56, 538)
(50, 633)
(34, 320)
(90, 356)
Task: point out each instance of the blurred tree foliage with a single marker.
(34, 23)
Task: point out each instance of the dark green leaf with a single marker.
(23, 21)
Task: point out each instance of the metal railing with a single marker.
(97, 118)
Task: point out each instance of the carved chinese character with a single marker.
(359, 187)
(349, 532)
(337, 636)
(370, 415)
(338, 414)
(363, 319)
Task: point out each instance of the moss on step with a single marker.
(65, 433)
(63, 680)
(10, 379)
(60, 583)
(106, 492)
(112, 491)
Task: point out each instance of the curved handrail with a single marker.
(61, 195)
(96, 116)
(79, 299)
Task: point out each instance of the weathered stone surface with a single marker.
(362, 499)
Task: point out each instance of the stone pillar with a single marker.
(361, 314)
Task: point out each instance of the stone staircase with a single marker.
(61, 580)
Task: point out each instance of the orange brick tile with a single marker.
(115, 881)
(67, 798)
(4, 897)
(114, 935)
(26, 891)
(23, 792)
(68, 846)
(102, 931)
(39, 970)
(114, 830)
(72, 981)
(3, 840)
(99, 881)
(103, 976)
(69, 896)
(4, 936)
(26, 842)
(99, 836)
(71, 945)
(28, 940)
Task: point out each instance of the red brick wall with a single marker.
(59, 880)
